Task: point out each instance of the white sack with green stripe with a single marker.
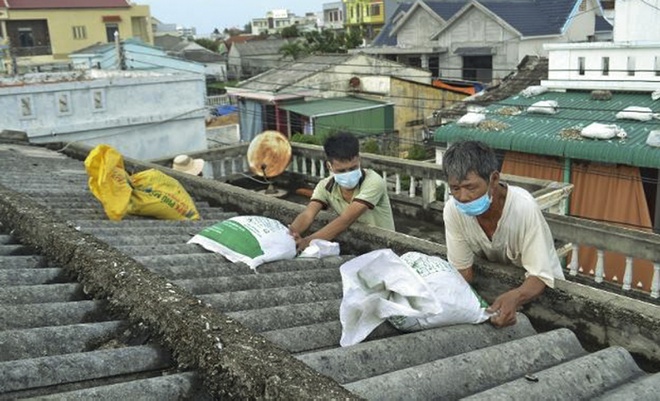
(253, 240)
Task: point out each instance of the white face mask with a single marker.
(349, 179)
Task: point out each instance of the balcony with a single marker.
(32, 51)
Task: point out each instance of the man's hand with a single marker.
(302, 243)
(505, 308)
(295, 234)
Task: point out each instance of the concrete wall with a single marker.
(476, 29)
(143, 115)
(413, 103)
(411, 35)
(637, 20)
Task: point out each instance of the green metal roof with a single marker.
(540, 133)
(331, 106)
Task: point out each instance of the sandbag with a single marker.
(470, 120)
(108, 181)
(543, 107)
(533, 90)
(653, 139)
(460, 303)
(635, 113)
(379, 285)
(603, 131)
(147, 193)
(156, 194)
(253, 240)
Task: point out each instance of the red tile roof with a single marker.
(41, 4)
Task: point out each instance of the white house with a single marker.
(144, 115)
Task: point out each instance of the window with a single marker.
(25, 37)
(581, 65)
(605, 66)
(110, 30)
(25, 105)
(375, 9)
(656, 66)
(79, 32)
(98, 100)
(63, 103)
(631, 66)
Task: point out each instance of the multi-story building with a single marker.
(276, 20)
(368, 16)
(333, 15)
(42, 33)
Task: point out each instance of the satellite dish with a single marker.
(269, 154)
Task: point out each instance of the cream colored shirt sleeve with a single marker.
(459, 253)
(538, 253)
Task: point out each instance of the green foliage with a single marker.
(308, 139)
(294, 49)
(210, 44)
(247, 28)
(417, 152)
(290, 32)
(371, 146)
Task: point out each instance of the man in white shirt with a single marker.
(498, 222)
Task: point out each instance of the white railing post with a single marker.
(233, 165)
(295, 164)
(628, 274)
(600, 266)
(246, 167)
(413, 185)
(428, 192)
(655, 283)
(304, 165)
(397, 184)
(223, 171)
(575, 264)
(314, 167)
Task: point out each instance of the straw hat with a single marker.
(187, 164)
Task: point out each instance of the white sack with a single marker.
(544, 107)
(459, 302)
(533, 90)
(635, 113)
(653, 139)
(379, 285)
(655, 95)
(603, 131)
(253, 240)
(470, 120)
(320, 248)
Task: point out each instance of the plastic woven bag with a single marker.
(108, 180)
(156, 194)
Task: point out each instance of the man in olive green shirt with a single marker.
(355, 194)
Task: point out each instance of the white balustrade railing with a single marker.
(413, 180)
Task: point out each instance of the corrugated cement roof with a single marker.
(331, 106)
(540, 133)
(49, 327)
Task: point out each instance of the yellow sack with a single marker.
(108, 180)
(147, 193)
(158, 195)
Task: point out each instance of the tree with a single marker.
(210, 44)
(290, 32)
(247, 28)
(294, 49)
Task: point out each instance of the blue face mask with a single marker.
(476, 207)
(350, 179)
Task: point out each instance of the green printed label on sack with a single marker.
(235, 236)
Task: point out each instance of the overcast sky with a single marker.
(208, 14)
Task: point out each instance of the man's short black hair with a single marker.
(342, 146)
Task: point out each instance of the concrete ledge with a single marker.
(233, 361)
